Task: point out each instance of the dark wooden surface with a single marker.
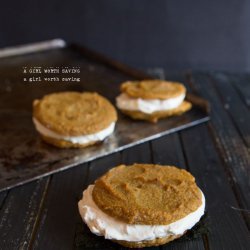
(43, 214)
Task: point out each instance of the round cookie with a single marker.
(147, 194)
(73, 119)
(153, 89)
(74, 113)
(142, 205)
(151, 100)
(155, 116)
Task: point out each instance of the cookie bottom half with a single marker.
(155, 116)
(66, 144)
(148, 243)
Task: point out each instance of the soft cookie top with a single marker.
(147, 194)
(74, 113)
(153, 89)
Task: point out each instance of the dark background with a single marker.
(174, 34)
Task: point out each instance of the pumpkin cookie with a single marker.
(73, 119)
(142, 204)
(152, 99)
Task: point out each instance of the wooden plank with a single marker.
(57, 224)
(242, 84)
(227, 228)
(3, 196)
(102, 165)
(139, 154)
(196, 100)
(19, 214)
(233, 103)
(168, 151)
(230, 144)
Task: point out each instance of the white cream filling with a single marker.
(148, 106)
(104, 225)
(99, 136)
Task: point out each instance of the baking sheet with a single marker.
(23, 156)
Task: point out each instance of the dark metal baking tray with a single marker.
(23, 156)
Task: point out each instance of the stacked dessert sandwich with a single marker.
(142, 205)
(73, 119)
(152, 99)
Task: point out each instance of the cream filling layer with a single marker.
(83, 139)
(124, 101)
(102, 224)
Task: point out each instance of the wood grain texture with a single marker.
(229, 142)
(225, 222)
(3, 196)
(19, 214)
(57, 226)
(232, 102)
(139, 154)
(168, 151)
(241, 83)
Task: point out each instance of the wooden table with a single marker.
(43, 214)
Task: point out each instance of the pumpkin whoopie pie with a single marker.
(142, 205)
(152, 99)
(74, 119)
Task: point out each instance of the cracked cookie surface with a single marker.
(74, 113)
(147, 194)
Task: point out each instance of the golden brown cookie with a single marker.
(148, 243)
(73, 119)
(155, 116)
(153, 89)
(147, 194)
(74, 113)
